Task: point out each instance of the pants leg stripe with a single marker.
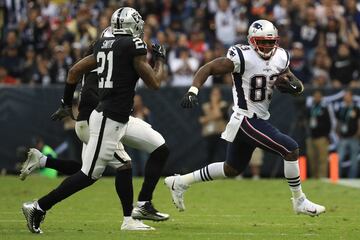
(98, 145)
(282, 148)
(249, 135)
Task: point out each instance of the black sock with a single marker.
(68, 167)
(69, 186)
(153, 170)
(124, 189)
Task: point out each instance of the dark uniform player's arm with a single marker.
(151, 77)
(218, 66)
(85, 65)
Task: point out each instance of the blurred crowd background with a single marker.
(41, 39)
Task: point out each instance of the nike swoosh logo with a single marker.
(172, 186)
(313, 212)
(29, 168)
(293, 86)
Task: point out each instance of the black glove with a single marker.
(63, 112)
(189, 100)
(158, 51)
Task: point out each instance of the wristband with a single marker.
(194, 90)
(69, 93)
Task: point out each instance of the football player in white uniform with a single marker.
(255, 69)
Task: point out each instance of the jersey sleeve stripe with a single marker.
(287, 59)
(242, 61)
(240, 91)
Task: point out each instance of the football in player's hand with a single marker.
(287, 83)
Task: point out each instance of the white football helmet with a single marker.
(263, 37)
(107, 32)
(127, 20)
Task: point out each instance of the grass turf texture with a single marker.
(226, 209)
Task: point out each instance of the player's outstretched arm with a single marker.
(218, 66)
(151, 77)
(85, 65)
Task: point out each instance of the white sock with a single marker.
(126, 219)
(38, 207)
(210, 172)
(141, 203)
(292, 175)
(43, 160)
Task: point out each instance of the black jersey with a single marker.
(89, 97)
(117, 75)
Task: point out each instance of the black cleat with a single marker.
(148, 212)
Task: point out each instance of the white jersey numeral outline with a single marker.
(105, 59)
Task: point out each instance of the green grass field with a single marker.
(219, 210)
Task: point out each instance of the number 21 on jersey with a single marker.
(105, 70)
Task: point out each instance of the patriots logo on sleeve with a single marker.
(231, 52)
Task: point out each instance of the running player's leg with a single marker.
(104, 136)
(262, 134)
(140, 135)
(124, 189)
(36, 159)
(237, 158)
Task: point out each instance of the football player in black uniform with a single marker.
(120, 61)
(138, 135)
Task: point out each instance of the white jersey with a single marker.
(253, 79)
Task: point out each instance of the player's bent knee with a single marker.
(230, 171)
(126, 165)
(292, 156)
(161, 152)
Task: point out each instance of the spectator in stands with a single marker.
(139, 158)
(5, 78)
(60, 66)
(345, 68)
(12, 61)
(30, 68)
(307, 32)
(213, 123)
(298, 63)
(225, 25)
(333, 34)
(348, 130)
(183, 68)
(317, 144)
(34, 30)
(321, 67)
(42, 75)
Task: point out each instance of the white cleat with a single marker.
(304, 206)
(177, 189)
(31, 164)
(130, 224)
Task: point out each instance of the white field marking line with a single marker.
(353, 183)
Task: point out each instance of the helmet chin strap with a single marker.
(265, 55)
